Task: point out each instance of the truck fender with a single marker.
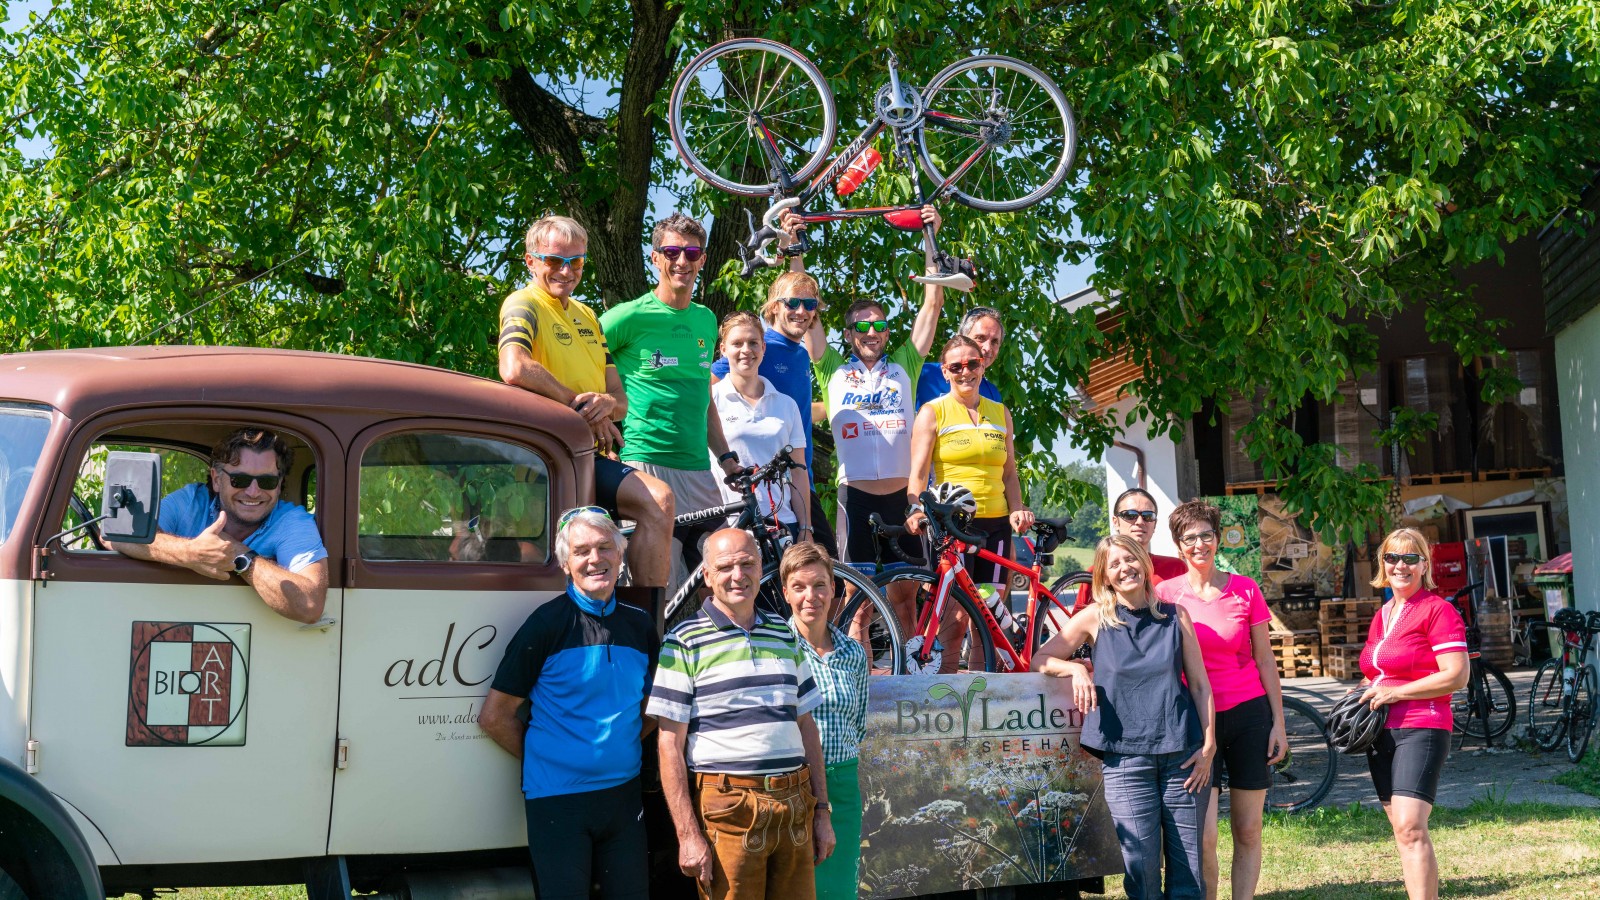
(40, 847)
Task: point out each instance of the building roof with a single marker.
(1109, 376)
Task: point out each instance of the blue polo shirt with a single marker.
(288, 537)
(932, 385)
(788, 366)
(585, 667)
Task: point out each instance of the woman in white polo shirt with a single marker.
(759, 420)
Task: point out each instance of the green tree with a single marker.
(1259, 178)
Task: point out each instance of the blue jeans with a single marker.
(1155, 817)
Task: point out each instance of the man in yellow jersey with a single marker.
(551, 344)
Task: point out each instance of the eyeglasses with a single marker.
(1409, 559)
(692, 254)
(556, 262)
(241, 480)
(956, 368)
(879, 326)
(1203, 537)
(1133, 515)
(569, 515)
(810, 303)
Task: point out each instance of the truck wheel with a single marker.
(9, 890)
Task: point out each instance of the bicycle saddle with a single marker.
(1051, 532)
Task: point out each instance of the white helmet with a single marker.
(956, 496)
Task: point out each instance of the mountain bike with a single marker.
(880, 631)
(997, 640)
(1565, 691)
(755, 118)
(1487, 706)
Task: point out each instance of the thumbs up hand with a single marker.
(211, 552)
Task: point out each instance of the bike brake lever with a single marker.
(750, 251)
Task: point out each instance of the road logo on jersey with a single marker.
(188, 683)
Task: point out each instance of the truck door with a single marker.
(184, 718)
(450, 548)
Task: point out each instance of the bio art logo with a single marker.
(980, 716)
(188, 683)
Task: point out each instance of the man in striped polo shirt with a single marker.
(733, 695)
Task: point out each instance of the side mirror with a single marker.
(131, 504)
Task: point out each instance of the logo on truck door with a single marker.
(187, 684)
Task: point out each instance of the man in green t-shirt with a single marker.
(663, 344)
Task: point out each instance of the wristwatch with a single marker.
(241, 563)
(727, 456)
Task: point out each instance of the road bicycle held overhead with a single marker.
(755, 118)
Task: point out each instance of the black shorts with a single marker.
(1408, 762)
(857, 542)
(577, 839)
(608, 478)
(999, 543)
(1244, 734)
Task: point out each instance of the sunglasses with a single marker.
(1133, 515)
(879, 326)
(241, 480)
(810, 303)
(956, 368)
(1204, 537)
(555, 261)
(569, 515)
(692, 254)
(1409, 559)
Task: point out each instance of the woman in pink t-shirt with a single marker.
(1231, 622)
(1415, 658)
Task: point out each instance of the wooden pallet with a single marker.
(1342, 661)
(1251, 487)
(1513, 474)
(1299, 653)
(1341, 611)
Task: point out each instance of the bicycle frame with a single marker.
(952, 568)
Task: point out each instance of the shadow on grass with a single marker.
(1360, 823)
(1471, 886)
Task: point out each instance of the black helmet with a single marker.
(1354, 726)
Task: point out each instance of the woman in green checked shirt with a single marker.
(839, 666)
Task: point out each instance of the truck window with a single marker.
(22, 433)
(438, 497)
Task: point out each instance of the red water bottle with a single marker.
(860, 168)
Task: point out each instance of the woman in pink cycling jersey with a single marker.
(1231, 622)
(1415, 658)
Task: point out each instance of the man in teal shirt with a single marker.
(663, 344)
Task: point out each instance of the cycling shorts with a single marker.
(608, 478)
(1408, 762)
(998, 529)
(856, 538)
(577, 839)
(1244, 733)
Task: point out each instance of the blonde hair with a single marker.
(1418, 544)
(1105, 596)
(785, 286)
(734, 320)
(800, 555)
(562, 227)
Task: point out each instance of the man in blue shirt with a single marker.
(238, 525)
(583, 663)
(983, 325)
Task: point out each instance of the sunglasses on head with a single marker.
(691, 254)
(556, 261)
(1134, 515)
(810, 303)
(241, 480)
(1409, 559)
(879, 326)
(956, 368)
(569, 515)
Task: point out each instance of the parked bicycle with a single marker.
(755, 118)
(1565, 691)
(879, 630)
(1487, 706)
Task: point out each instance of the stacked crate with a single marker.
(1299, 653)
(1343, 625)
(1494, 631)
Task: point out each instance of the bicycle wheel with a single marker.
(976, 653)
(867, 617)
(742, 106)
(1009, 116)
(1305, 774)
(1547, 722)
(1049, 621)
(1486, 707)
(1585, 694)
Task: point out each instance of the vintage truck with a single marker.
(161, 729)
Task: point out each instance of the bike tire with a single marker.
(1487, 707)
(879, 633)
(1547, 721)
(1585, 695)
(978, 640)
(1026, 159)
(711, 124)
(1303, 778)
(1044, 627)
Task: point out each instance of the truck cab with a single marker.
(163, 729)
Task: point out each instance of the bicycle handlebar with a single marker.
(890, 533)
(942, 515)
(781, 462)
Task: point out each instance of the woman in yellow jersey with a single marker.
(966, 439)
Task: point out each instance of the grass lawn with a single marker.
(1491, 850)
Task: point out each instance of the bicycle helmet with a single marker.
(957, 497)
(1354, 726)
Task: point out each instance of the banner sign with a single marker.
(977, 780)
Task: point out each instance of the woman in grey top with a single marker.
(1154, 736)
